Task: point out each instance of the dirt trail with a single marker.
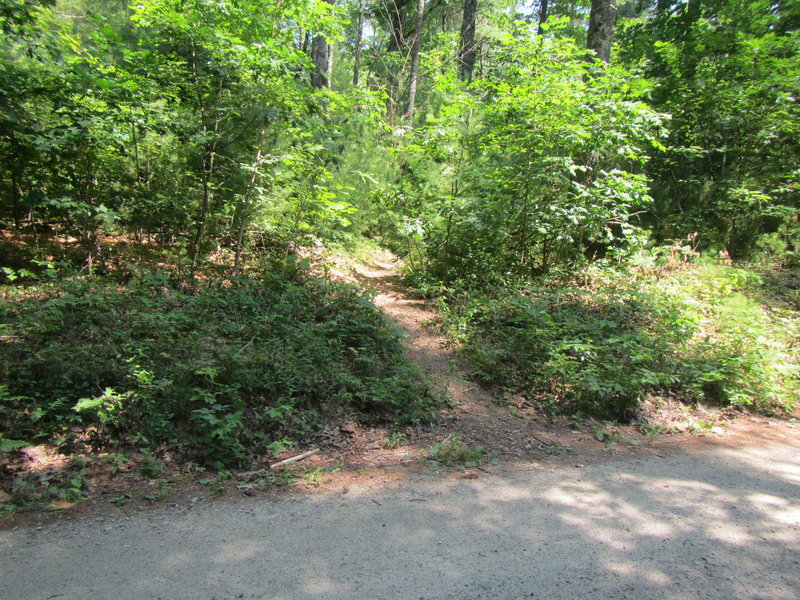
(476, 418)
(523, 432)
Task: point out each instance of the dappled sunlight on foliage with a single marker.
(577, 209)
(696, 333)
(227, 372)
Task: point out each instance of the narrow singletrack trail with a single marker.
(514, 431)
(675, 518)
(476, 418)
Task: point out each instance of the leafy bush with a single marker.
(223, 370)
(601, 349)
(575, 348)
(542, 170)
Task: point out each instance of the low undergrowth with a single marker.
(220, 372)
(695, 332)
(452, 451)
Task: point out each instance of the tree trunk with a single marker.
(466, 53)
(396, 18)
(319, 55)
(209, 155)
(208, 174)
(601, 28)
(329, 72)
(414, 76)
(322, 56)
(16, 195)
(397, 23)
(359, 36)
(542, 16)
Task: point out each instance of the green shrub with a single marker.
(223, 370)
(575, 348)
(601, 349)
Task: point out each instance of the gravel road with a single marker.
(710, 523)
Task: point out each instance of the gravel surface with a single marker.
(714, 523)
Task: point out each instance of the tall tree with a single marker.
(396, 18)
(414, 75)
(601, 28)
(359, 39)
(393, 15)
(466, 51)
(542, 16)
(322, 56)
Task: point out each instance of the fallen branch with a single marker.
(260, 472)
(294, 458)
(541, 441)
(248, 475)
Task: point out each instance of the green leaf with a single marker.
(6, 444)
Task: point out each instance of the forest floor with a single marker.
(549, 511)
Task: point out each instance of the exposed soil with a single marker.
(513, 430)
(710, 523)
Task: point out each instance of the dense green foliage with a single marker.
(224, 371)
(184, 122)
(539, 170)
(198, 124)
(727, 72)
(695, 333)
